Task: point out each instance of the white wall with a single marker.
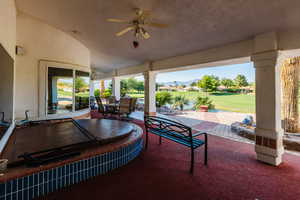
(8, 26)
(41, 41)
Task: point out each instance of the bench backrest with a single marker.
(166, 126)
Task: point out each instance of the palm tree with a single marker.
(180, 101)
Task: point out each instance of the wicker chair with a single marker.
(125, 108)
(101, 108)
(133, 104)
(112, 100)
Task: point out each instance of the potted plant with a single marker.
(180, 101)
(203, 104)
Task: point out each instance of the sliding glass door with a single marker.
(82, 90)
(64, 94)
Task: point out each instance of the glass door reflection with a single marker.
(60, 90)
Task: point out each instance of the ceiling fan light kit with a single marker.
(137, 25)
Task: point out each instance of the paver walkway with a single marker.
(215, 123)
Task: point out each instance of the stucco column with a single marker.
(92, 88)
(116, 87)
(150, 105)
(269, 134)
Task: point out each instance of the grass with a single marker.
(69, 94)
(244, 103)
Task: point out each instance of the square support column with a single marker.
(150, 102)
(116, 87)
(269, 134)
(92, 88)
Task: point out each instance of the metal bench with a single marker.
(176, 132)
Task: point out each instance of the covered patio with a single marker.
(161, 173)
(52, 51)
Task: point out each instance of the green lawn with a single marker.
(69, 94)
(244, 103)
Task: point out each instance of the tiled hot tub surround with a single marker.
(46, 181)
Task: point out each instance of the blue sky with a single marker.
(229, 71)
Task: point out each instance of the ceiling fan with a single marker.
(138, 24)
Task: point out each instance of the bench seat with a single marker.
(176, 132)
(184, 140)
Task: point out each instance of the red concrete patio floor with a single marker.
(161, 172)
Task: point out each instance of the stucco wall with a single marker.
(8, 26)
(41, 41)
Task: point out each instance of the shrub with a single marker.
(180, 101)
(163, 98)
(203, 101)
(97, 93)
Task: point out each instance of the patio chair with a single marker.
(101, 108)
(112, 100)
(133, 104)
(125, 108)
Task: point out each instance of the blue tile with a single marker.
(20, 183)
(2, 189)
(71, 179)
(19, 195)
(52, 174)
(25, 182)
(67, 180)
(63, 170)
(36, 191)
(8, 187)
(36, 179)
(30, 181)
(41, 177)
(30, 193)
(2, 198)
(41, 189)
(67, 169)
(54, 184)
(59, 183)
(14, 196)
(14, 185)
(46, 186)
(25, 194)
(8, 196)
(59, 172)
(46, 178)
(50, 186)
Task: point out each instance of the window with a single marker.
(82, 90)
(64, 94)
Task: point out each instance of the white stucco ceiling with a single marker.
(194, 25)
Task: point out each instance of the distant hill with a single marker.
(187, 83)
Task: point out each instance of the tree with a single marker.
(209, 83)
(194, 84)
(158, 85)
(180, 101)
(80, 84)
(240, 81)
(124, 87)
(140, 86)
(163, 98)
(227, 82)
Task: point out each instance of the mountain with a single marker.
(187, 83)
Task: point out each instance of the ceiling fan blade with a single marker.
(117, 20)
(157, 25)
(125, 31)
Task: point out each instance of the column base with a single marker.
(275, 161)
(149, 113)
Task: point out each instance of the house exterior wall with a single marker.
(41, 41)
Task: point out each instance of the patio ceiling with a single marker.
(194, 25)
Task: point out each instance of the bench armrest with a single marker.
(199, 133)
